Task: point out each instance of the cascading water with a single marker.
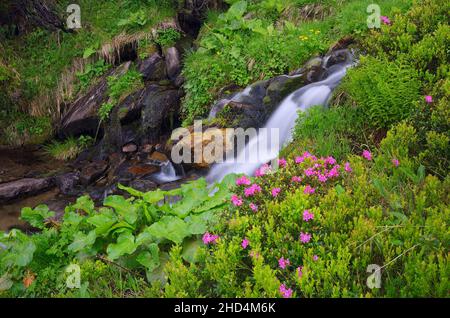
(167, 173)
(283, 119)
(238, 97)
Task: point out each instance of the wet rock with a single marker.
(143, 170)
(67, 182)
(173, 62)
(280, 87)
(147, 148)
(23, 188)
(82, 114)
(338, 57)
(160, 109)
(92, 172)
(158, 156)
(129, 148)
(153, 68)
(143, 185)
(201, 140)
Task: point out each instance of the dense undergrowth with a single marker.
(33, 64)
(373, 188)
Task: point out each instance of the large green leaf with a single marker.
(150, 259)
(85, 204)
(125, 245)
(36, 217)
(82, 241)
(103, 221)
(123, 207)
(171, 228)
(131, 191)
(153, 197)
(190, 250)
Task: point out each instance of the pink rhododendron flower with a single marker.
(243, 181)
(276, 192)
(305, 237)
(263, 170)
(367, 155)
(299, 159)
(385, 20)
(309, 190)
(209, 238)
(296, 179)
(395, 162)
(315, 258)
(285, 292)
(307, 216)
(322, 178)
(347, 167)
(254, 207)
(282, 262)
(237, 201)
(429, 99)
(330, 160)
(310, 172)
(245, 243)
(334, 172)
(252, 190)
(282, 162)
(300, 271)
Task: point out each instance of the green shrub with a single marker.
(386, 92)
(167, 37)
(377, 213)
(68, 149)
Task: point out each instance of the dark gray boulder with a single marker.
(24, 187)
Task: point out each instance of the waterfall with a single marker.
(284, 119)
(167, 173)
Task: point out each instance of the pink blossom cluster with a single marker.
(243, 181)
(252, 190)
(285, 292)
(283, 263)
(263, 170)
(209, 238)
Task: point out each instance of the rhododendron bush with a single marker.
(317, 227)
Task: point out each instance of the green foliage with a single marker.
(135, 21)
(91, 72)
(167, 37)
(137, 233)
(335, 131)
(68, 149)
(119, 87)
(26, 130)
(377, 213)
(385, 92)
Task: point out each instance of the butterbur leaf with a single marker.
(171, 228)
(21, 254)
(85, 204)
(190, 249)
(149, 259)
(82, 241)
(125, 245)
(158, 273)
(131, 191)
(154, 196)
(103, 221)
(36, 217)
(123, 207)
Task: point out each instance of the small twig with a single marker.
(397, 257)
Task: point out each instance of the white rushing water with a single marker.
(283, 119)
(167, 173)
